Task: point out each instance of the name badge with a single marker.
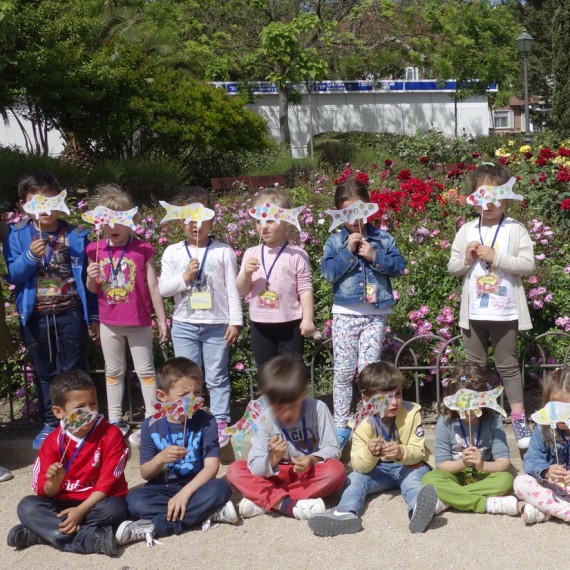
(370, 293)
(268, 300)
(48, 287)
(117, 296)
(200, 300)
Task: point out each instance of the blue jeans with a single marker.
(151, 502)
(383, 477)
(56, 344)
(205, 345)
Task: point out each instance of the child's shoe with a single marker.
(223, 438)
(333, 523)
(440, 507)
(424, 509)
(135, 531)
(135, 438)
(5, 474)
(227, 514)
(41, 436)
(522, 433)
(307, 508)
(21, 536)
(343, 434)
(122, 425)
(502, 506)
(531, 515)
(248, 509)
(104, 541)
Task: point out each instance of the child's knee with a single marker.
(27, 508)
(136, 501)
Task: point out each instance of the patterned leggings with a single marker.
(357, 341)
(528, 489)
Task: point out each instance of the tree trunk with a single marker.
(284, 116)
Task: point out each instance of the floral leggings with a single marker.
(528, 489)
(357, 341)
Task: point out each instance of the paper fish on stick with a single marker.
(78, 418)
(465, 400)
(552, 414)
(102, 215)
(252, 419)
(183, 406)
(188, 212)
(377, 404)
(356, 211)
(485, 194)
(269, 212)
(40, 204)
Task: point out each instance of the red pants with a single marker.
(318, 481)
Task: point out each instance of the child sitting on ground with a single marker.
(387, 453)
(79, 481)
(294, 459)
(180, 459)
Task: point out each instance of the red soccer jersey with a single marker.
(99, 465)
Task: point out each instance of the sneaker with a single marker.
(135, 438)
(21, 536)
(42, 435)
(223, 438)
(531, 515)
(248, 509)
(135, 531)
(104, 541)
(440, 507)
(5, 474)
(424, 509)
(343, 434)
(502, 506)
(122, 425)
(307, 508)
(227, 514)
(333, 523)
(522, 433)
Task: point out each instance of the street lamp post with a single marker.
(524, 43)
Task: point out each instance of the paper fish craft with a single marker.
(77, 418)
(253, 417)
(188, 212)
(269, 212)
(40, 204)
(183, 406)
(102, 215)
(375, 405)
(465, 400)
(485, 195)
(552, 414)
(356, 211)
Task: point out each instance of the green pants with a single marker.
(466, 491)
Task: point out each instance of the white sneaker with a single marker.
(135, 531)
(531, 514)
(248, 509)
(227, 514)
(440, 506)
(306, 508)
(502, 506)
(135, 438)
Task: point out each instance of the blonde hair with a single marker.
(112, 196)
(276, 196)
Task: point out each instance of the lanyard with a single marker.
(115, 270)
(52, 241)
(494, 237)
(186, 435)
(467, 443)
(306, 450)
(387, 437)
(268, 273)
(77, 449)
(198, 278)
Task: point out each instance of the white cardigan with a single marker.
(519, 261)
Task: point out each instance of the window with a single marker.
(503, 119)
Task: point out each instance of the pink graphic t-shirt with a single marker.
(123, 293)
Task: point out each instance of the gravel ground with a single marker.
(453, 540)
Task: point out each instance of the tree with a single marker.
(561, 69)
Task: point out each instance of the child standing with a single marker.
(122, 273)
(276, 278)
(491, 253)
(47, 263)
(180, 460)
(387, 453)
(472, 474)
(79, 481)
(544, 486)
(359, 261)
(294, 459)
(203, 332)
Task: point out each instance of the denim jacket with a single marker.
(22, 267)
(541, 456)
(350, 273)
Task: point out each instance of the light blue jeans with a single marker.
(383, 477)
(205, 345)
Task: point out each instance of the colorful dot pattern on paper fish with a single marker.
(358, 210)
(77, 418)
(485, 195)
(269, 212)
(40, 204)
(552, 413)
(186, 406)
(376, 405)
(195, 212)
(465, 400)
(105, 216)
